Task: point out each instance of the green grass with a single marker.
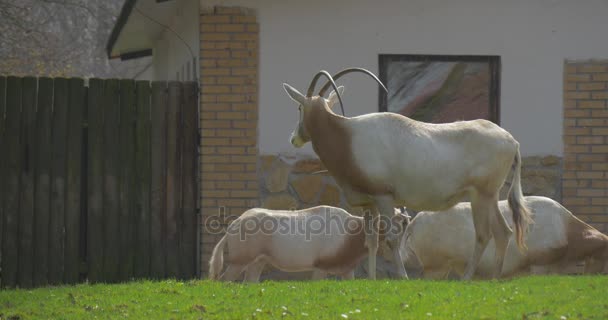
(572, 297)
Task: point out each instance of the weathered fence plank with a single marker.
(58, 181)
(26, 209)
(173, 177)
(188, 152)
(95, 180)
(105, 175)
(111, 180)
(2, 159)
(158, 180)
(127, 168)
(10, 254)
(73, 180)
(42, 203)
(142, 178)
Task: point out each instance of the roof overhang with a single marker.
(139, 25)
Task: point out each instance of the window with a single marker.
(439, 89)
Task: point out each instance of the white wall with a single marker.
(170, 53)
(533, 38)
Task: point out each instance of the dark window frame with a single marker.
(494, 62)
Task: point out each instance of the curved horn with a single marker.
(349, 70)
(330, 80)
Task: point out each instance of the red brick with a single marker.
(213, 19)
(216, 107)
(576, 113)
(215, 124)
(230, 185)
(244, 193)
(600, 77)
(599, 113)
(577, 77)
(244, 19)
(591, 122)
(591, 192)
(590, 139)
(575, 201)
(599, 149)
(231, 27)
(577, 131)
(599, 166)
(208, 36)
(603, 201)
(216, 71)
(230, 133)
(593, 68)
(573, 95)
(216, 141)
(591, 86)
(591, 104)
(231, 150)
(231, 98)
(599, 95)
(589, 175)
(231, 115)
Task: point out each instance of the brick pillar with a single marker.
(585, 178)
(229, 117)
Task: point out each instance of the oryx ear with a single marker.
(333, 97)
(294, 94)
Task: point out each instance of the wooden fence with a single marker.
(98, 181)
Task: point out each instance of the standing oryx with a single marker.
(376, 159)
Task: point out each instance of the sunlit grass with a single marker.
(555, 297)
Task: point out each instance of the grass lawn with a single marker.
(555, 297)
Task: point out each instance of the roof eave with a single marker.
(125, 12)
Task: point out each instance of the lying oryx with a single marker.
(323, 239)
(377, 158)
(442, 241)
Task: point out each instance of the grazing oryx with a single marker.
(323, 239)
(441, 242)
(376, 159)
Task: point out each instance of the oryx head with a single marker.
(309, 103)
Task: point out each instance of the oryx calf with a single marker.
(323, 239)
(441, 242)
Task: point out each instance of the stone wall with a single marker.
(289, 182)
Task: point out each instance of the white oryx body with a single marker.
(384, 160)
(323, 239)
(441, 242)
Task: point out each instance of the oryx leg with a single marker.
(233, 271)
(319, 274)
(350, 275)
(386, 207)
(593, 266)
(440, 273)
(501, 232)
(481, 208)
(371, 241)
(254, 271)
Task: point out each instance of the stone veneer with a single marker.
(290, 182)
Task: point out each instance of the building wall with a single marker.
(246, 118)
(298, 38)
(229, 118)
(585, 177)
